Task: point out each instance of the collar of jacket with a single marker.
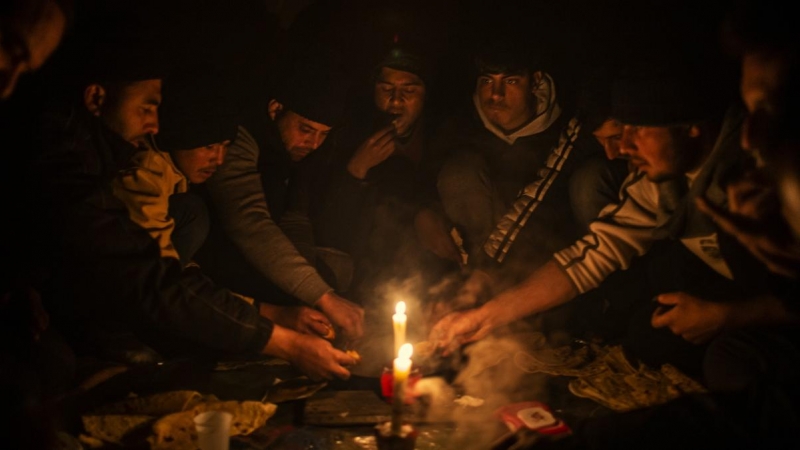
(547, 112)
(113, 153)
(270, 146)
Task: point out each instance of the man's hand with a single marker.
(434, 235)
(753, 219)
(314, 356)
(372, 152)
(345, 314)
(690, 317)
(298, 318)
(457, 329)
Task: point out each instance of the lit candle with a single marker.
(399, 319)
(402, 367)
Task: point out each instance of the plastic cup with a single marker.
(213, 430)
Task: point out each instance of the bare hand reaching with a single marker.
(457, 329)
(298, 318)
(343, 313)
(690, 317)
(312, 355)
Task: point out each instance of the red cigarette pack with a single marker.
(532, 415)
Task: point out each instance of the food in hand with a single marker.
(355, 355)
(330, 334)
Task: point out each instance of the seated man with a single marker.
(264, 182)
(104, 270)
(383, 176)
(504, 185)
(596, 182)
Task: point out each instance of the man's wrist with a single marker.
(357, 170)
(325, 299)
(279, 344)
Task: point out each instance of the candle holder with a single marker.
(385, 440)
(387, 384)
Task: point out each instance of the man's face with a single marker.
(506, 99)
(763, 79)
(198, 164)
(300, 136)
(27, 48)
(609, 135)
(400, 94)
(660, 152)
(134, 115)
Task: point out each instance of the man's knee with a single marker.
(462, 174)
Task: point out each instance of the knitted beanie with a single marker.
(315, 88)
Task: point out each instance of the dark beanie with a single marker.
(197, 109)
(315, 88)
(406, 51)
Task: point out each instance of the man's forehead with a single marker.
(514, 73)
(389, 75)
(308, 122)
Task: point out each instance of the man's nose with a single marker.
(151, 124)
(397, 98)
(498, 91)
(218, 154)
(626, 146)
(314, 140)
(612, 150)
(11, 83)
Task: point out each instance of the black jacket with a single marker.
(104, 269)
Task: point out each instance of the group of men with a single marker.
(163, 216)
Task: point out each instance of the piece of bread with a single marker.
(355, 355)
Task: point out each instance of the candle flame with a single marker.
(400, 308)
(405, 351)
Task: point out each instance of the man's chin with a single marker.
(298, 155)
(141, 143)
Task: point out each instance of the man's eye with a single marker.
(485, 81)
(410, 90)
(512, 81)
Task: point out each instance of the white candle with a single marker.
(402, 368)
(399, 320)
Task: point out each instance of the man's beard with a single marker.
(297, 154)
(143, 142)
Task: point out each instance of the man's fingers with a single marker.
(661, 320)
(320, 328)
(386, 137)
(672, 298)
(344, 359)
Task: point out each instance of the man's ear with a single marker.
(93, 98)
(274, 108)
(536, 80)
